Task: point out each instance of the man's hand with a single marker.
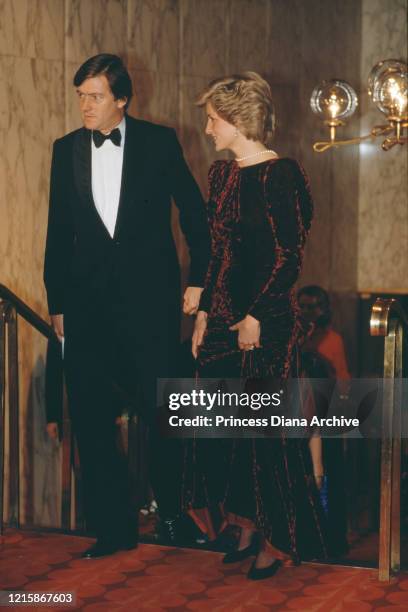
(191, 300)
(249, 333)
(52, 430)
(57, 321)
(199, 331)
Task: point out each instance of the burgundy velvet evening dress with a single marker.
(259, 218)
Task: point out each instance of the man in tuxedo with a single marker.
(113, 284)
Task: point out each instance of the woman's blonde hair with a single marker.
(244, 100)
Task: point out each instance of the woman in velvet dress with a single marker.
(260, 212)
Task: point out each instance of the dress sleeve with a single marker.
(289, 210)
(213, 175)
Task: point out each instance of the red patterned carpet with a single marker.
(158, 578)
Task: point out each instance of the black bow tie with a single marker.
(115, 136)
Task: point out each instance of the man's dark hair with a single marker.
(115, 71)
(322, 299)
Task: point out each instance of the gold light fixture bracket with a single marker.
(387, 86)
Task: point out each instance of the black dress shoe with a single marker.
(129, 545)
(239, 555)
(103, 548)
(100, 549)
(260, 573)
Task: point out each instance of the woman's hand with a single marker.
(199, 331)
(191, 300)
(249, 333)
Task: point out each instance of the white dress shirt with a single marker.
(107, 162)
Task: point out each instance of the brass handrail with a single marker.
(11, 306)
(382, 311)
(26, 312)
(389, 320)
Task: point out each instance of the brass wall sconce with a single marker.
(336, 100)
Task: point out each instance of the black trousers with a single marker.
(112, 360)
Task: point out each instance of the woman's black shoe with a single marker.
(259, 573)
(239, 555)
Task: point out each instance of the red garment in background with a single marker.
(329, 345)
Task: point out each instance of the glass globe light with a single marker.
(389, 65)
(334, 101)
(389, 86)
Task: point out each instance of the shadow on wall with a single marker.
(41, 458)
(145, 105)
(143, 94)
(148, 103)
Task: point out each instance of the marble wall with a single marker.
(383, 188)
(173, 48)
(32, 103)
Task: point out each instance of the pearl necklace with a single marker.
(240, 159)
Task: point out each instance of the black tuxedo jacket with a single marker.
(81, 257)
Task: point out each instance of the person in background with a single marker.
(315, 308)
(324, 357)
